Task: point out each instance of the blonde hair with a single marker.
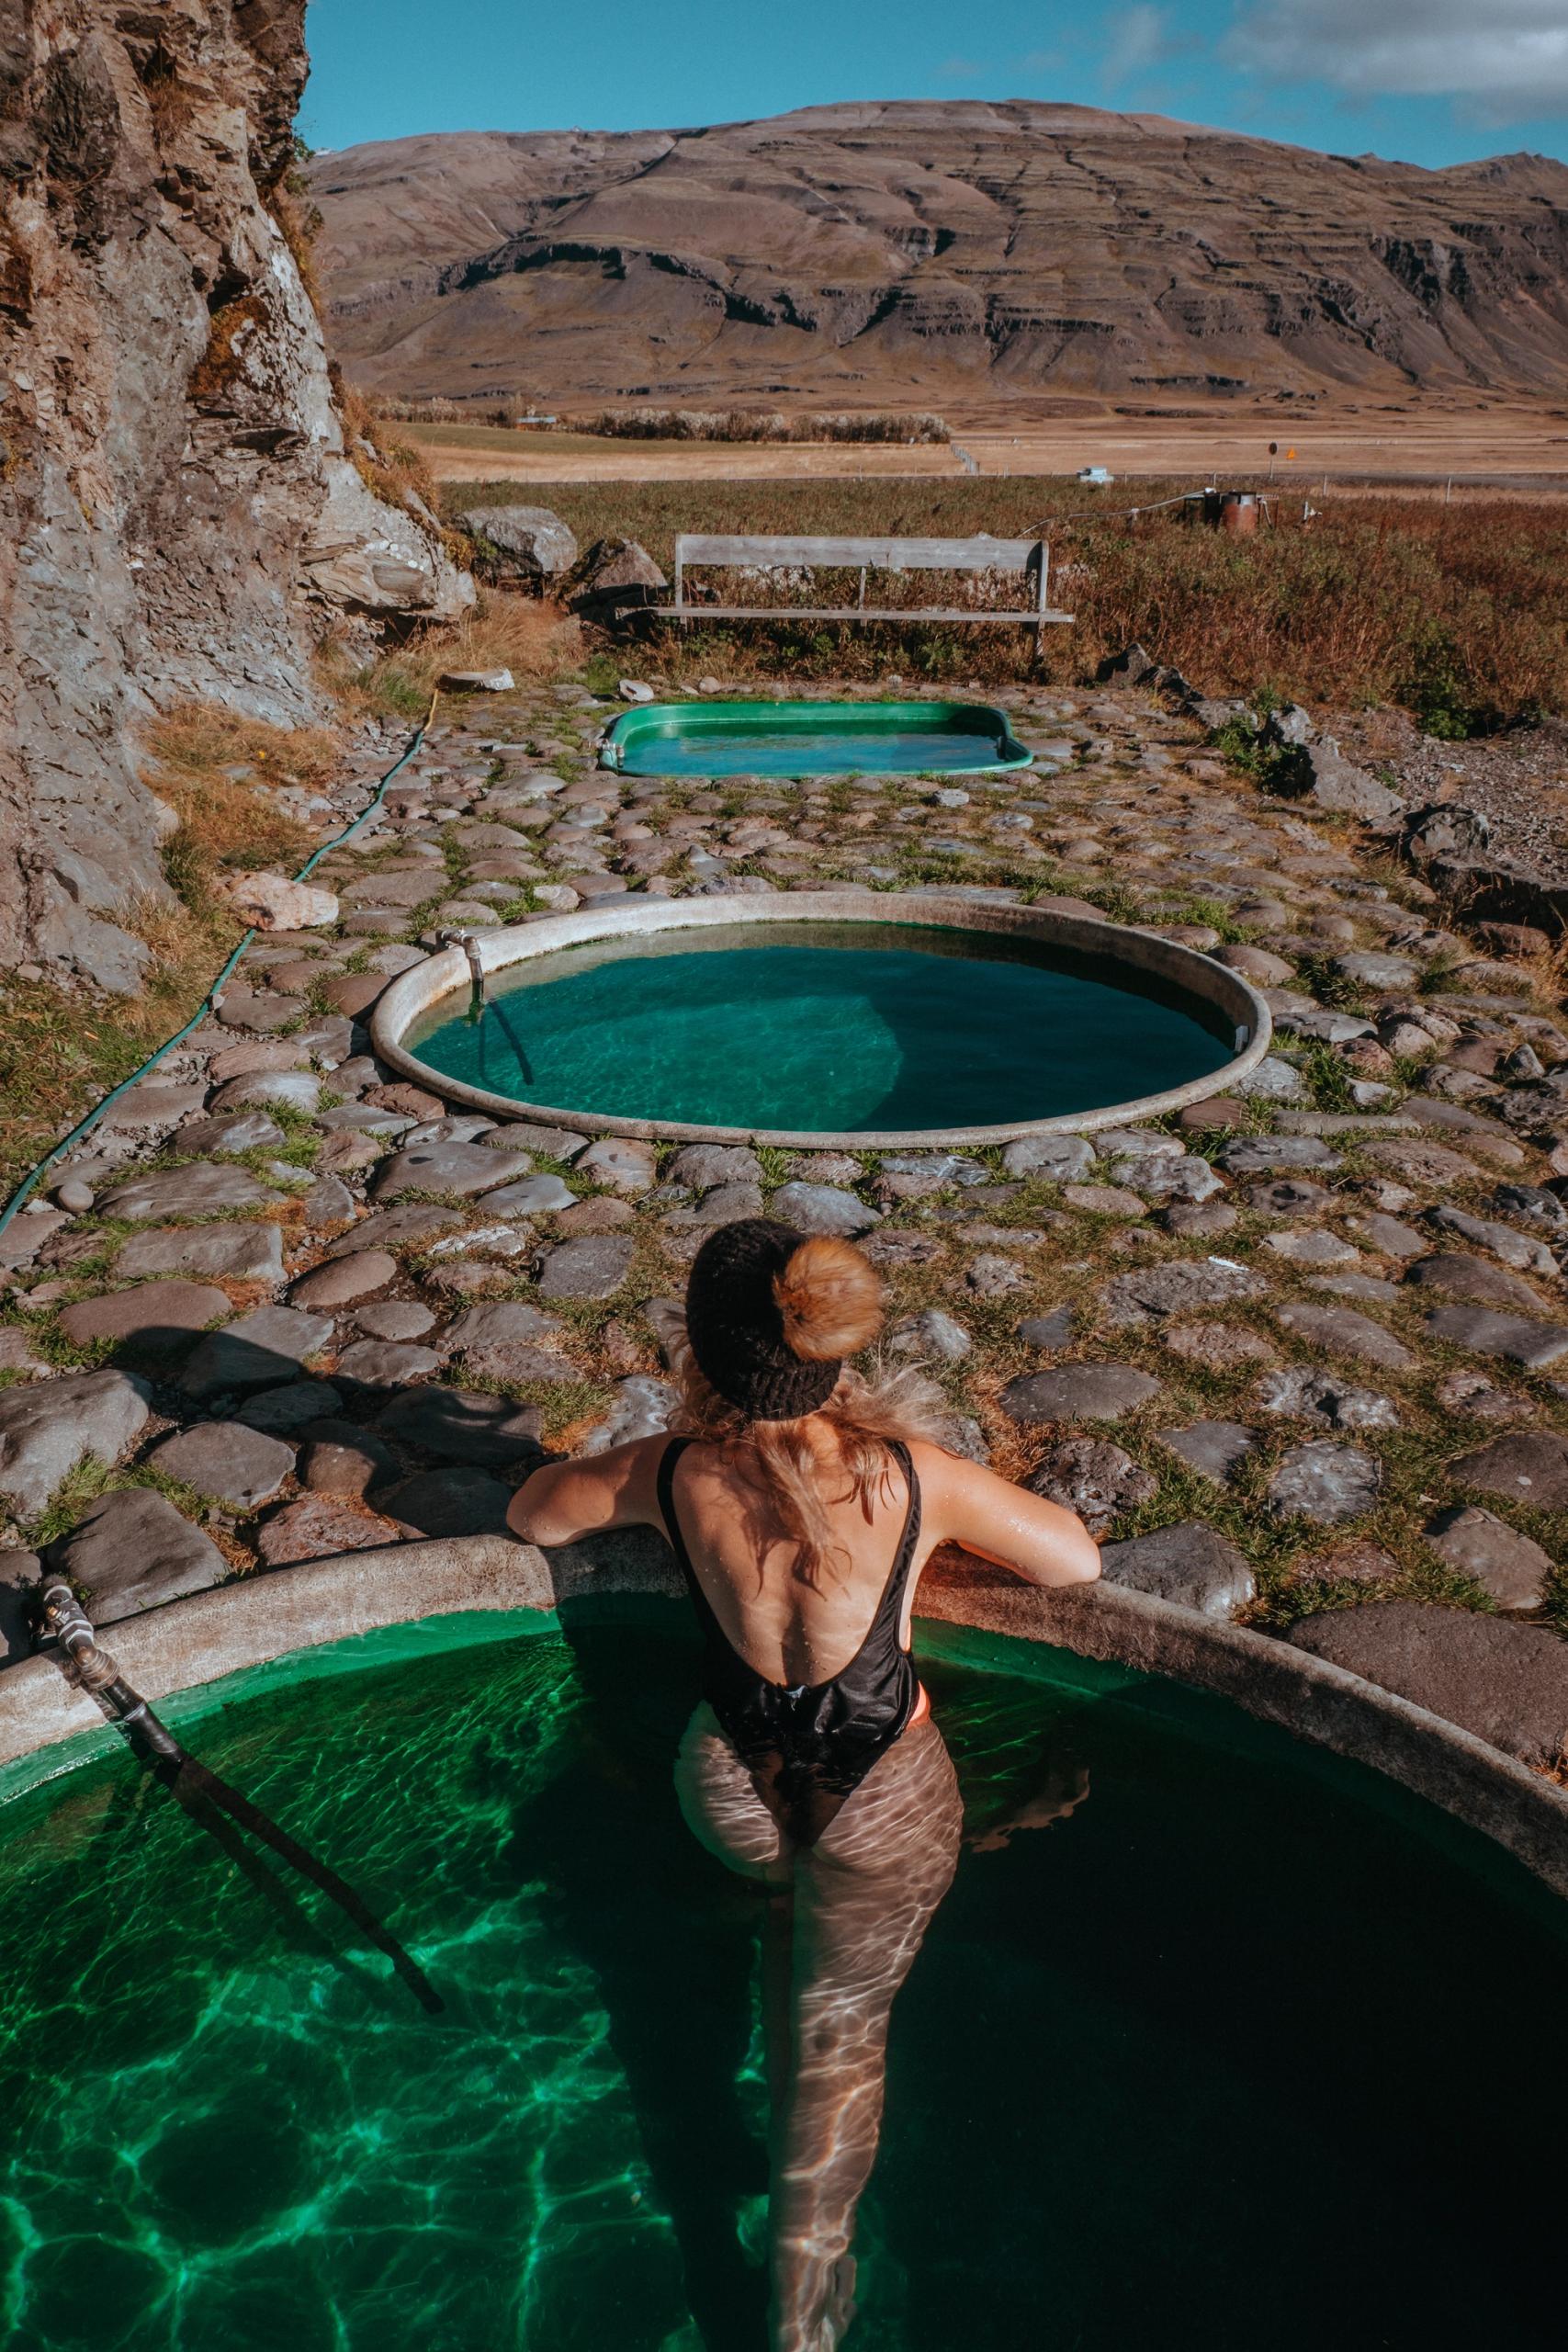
(831, 1304)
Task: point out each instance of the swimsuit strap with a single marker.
(666, 1491)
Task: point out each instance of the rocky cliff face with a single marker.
(863, 255)
(177, 513)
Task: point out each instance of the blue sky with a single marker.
(1428, 81)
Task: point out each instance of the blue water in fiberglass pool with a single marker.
(824, 1027)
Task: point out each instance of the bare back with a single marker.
(786, 1629)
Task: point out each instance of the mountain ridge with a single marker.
(918, 249)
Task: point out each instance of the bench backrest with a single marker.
(883, 555)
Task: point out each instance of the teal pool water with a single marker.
(1246, 2048)
(820, 1027)
(812, 738)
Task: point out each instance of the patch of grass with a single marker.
(1327, 1073)
(534, 640)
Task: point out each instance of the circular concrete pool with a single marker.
(1191, 1979)
(815, 1016)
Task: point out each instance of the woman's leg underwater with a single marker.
(863, 1896)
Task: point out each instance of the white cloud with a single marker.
(1139, 40)
(1503, 58)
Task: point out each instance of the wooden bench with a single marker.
(1029, 559)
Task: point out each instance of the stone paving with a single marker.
(1296, 1355)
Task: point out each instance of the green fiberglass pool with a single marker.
(811, 739)
(816, 1028)
(1215, 2041)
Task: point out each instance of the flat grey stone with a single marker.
(1534, 1204)
(153, 1316)
(1508, 1684)
(1275, 1155)
(394, 1319)
(195, 1191)
(594, 1266)
(1077, 1392)
(1312, 1248)
(726, 1204)
(621, 1162)
(544, 1143)
(1063, 1159)
(644, 1407)
(244, 1131)
(1512, 1568)
(465, 1426)
(1340, 1331)
(459, 1170)
(406, 1228)
(258, 1351)
(992, 1276)
(318, 1526)
(1191, 1564)
(292, 1407)
(1291, 1197)
(1304, 1392)
(1214, 1449)
(1520, 1250)
(385, 1364)
(932, 1334)
(241, 1252)
(1387, 1236)
(339, 1458)
(49, 1427)
(296, 1090)
(1374, 971)
(1476, 1280)
(449, 1502)
(1523, 1466)
(535, 1196)
(132, 1550)
(328, 1202)
(1176, 1288)
(226, 1461)
(1094, 1477)
(1431, 1166)
(1325, 1483)
(342, 1282)
(823, 1208)
(1170, 1176)
(155, 1104)
(1218, 1347)
(509, 1340)
(1051, 1331)
(1274, 1081)
(1512, 1336)
(703, 1165)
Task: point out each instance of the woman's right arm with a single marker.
(965, 1504)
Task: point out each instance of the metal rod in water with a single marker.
(470, 947)
(95, 1671)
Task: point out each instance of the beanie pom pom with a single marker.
(830, 1300)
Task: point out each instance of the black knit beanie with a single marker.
(735, 1328)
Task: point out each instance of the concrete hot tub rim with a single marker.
(444, 973)
(188, 1645)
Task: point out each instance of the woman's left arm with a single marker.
(571, 1498)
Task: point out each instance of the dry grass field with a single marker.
(1457, 613)
(1496, 445)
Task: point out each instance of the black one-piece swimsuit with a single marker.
(807, 1748)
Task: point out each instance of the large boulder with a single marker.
(179, 512)
(522, 542)
(616, 578)
(1338, 784)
